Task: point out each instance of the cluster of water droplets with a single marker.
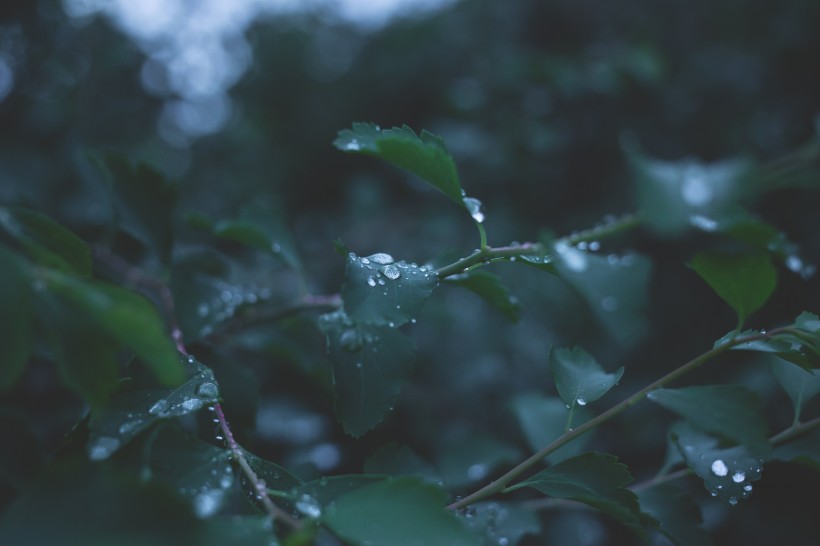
(118, 428)
(208, 497)
(734, 480)
(493, 520)
(227, 300)
(384, 272)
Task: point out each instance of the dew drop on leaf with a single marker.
(103, 448)
(207, 390)
(719, 468)
(738, 477)
(351, 340)
(391, 272)
(308, 506)
(582, 401)
(380, 258)
(371, 281)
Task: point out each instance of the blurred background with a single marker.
(238, 102)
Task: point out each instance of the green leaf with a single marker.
(671, 193)
(381, 291)
(743, 281)
(200, 472)
(264, 228)
(130, 412)
(16, 317)
(730, 411)
(543, 420)
(424, 156)
(727, 473)
(397, 512)
(144, 201)
(395, 460)
(804, 449)
(788, 346)
(678, 516)
(45, 241)
(276, 477)
(370, 363)
(501, 522)
(808, 322)
(471, 457)
(310, 499)
(489, 286)
(123, 315)
(595, 479)
(579, 378)
(801, 385)
(244, 530)
(615, 288)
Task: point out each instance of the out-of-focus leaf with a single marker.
(131, 412)
(94, 505)
(244, 530)
(381, 291)
(395, 460)
(729, 411)
(16, 316)
(370, 363)
(396, 512)
(264, 228)
(727, 473)
(544, 419)
(804, 449)
(614, 287)
(595, 479)
(743, 281)
(425, 156)
(472, 457)
(311, 498)
(670, 193)
(144, 201)
(579, 378)
(489, 286)
(199, 471)
(678, 516)
(45, 241)
(501, 523)
(801, 385)
(808, 322)
(125, 316)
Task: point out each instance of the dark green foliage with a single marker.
(677, 515)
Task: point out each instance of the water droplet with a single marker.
(359, 365)
(391, 272)
(703, 223)
(738, 476)
(381, 283)
(747, 488)
(207, 503)
(595, 246)
(474, 208)
(191, 359)
(381, 258)
(503, 541)
(581, 401)
(226, 481)
(477, 471)
(159, 407)
(351, 340)
(202, 310)
(719, 468)
(353, 145)
(695, 189)
(103, 448)
(733, 501)
(371, 281)
(207, 390)
(128, 426)
(573, 258)
(192, 404)
(308, 506)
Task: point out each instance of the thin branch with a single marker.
(499, 484)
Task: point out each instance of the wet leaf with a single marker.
(16, 317)
(501, 523)
(370, 363)
(579, 378)
(380, 291)
(490, 287)
(727, 473)
(425, 156)
(677, 515)
(200, 472)
(46, 242)
(544, 419)
(743, 281)
(396, 512)
(729, 411)
(130, 412)
(595, 479)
